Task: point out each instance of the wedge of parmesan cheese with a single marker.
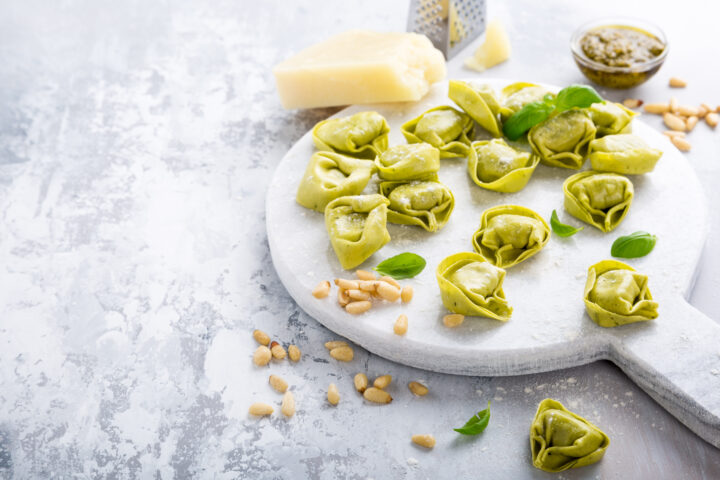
(360, 66)
(495, 49)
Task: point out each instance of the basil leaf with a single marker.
(404, 265)
(560, 229)
(525, 118)
(581, 96)
(637, 244)
(476, 424)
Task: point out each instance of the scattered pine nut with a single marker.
(261, 337)
(703, 110)
(658, 108)
(361, 382)
(356, 308)
(691, 122)
(260, 409)
(288, 405)
(335, 344)
(343, 354)
(382, 381)
(401, 325)
(688, 111)
(365, 275)
(674, 122)
(388, 292)
(277, 350)
(367, 285)
(426, 440)
(262, 356)
(673, 105)
(333, 396)
(681, 144)
(712, 119)
(358, 294)
(717, 109)
(673, 133)
(391, 281)
(406, 294)
(278, 383)
(453, 320)
(677, 82)
(377, 395)
(632, 102)
(343, 298)
(294, 353)
(346, 284)
(418, 389)
(322, 290)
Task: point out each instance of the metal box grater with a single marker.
(449, 24)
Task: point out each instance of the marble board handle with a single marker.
(679, 368)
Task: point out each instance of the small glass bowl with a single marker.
(618, 77)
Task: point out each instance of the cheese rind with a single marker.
(360, 66)
(494, 50)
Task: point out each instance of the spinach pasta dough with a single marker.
(599, 199)
(444, 128)
(357, 227)
(427, 204)
(331, 175)
(510, 234)
(610, 118)
(469, 285)
(561, 440)
(478, 101)
(516, 95)
(623, 153)
(615, 294)
(494, 165)
(363, 135)
(414, 161)
(562, 140)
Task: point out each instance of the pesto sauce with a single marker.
(617, 46)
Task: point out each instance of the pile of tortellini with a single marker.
(352, 149)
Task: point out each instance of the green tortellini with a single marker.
(510, 234)
(516, 95)
(331, 175)
(427, 204)
(623, 153)
(494, 165)
(611, 118)
(357, 226)
(561, 140)
(561, 440)
(469, 285)
(413, 161)
(599, 199)
(363, 135)
(615, 294)
(478, 101)
(444, 128)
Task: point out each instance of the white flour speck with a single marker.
(412, 461)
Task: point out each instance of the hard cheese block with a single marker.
(360, 66)
(495, 49)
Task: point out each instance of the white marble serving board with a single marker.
(675, 358)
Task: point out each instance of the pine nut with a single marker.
(401, 325)
(261, 337)
(382, 381)
(453, 320)
(277, 350)
(361, 382)
(691, 122)
(688, 111)
(288, 405)
(388, 292)
(343, 354)
(426, 440)
(418, 389)
(358, 295)
(673, 133)
(657, 108)
(365, 275)
(674, 122)
(673, 104)
(406, 294)
(356, 308)
(343, 298)
(681, 144)
(712, 119)
(677, 82)
(260, 409)
(278, 383)
(391, 281)
(368, 285)
(346, 284)
(333, 395)
(632, 102)
(376, 395)
(322, 290)
(262, 356)
(294, 353)
(703, 110)
(335, 344)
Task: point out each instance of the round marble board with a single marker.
(675, 358)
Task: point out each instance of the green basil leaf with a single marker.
(581, 96)
(476, 424)
(560, 229)
(637, 244)
(525, 118)
(404, 265)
